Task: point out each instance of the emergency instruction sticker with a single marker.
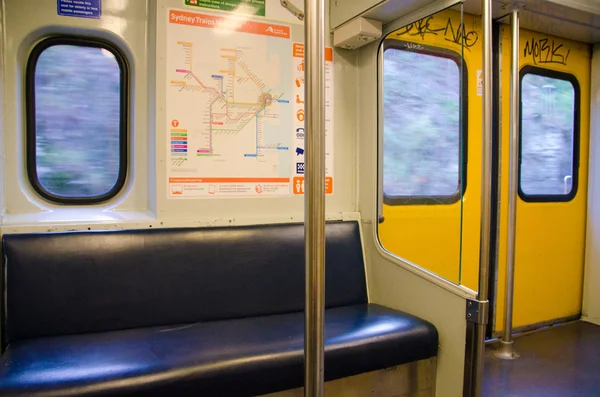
(79, 8)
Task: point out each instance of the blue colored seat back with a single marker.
(82, 282)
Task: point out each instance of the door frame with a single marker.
(494, 207)
(497, 144)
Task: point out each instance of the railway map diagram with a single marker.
(229, 93)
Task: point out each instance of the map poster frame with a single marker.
(234, 106)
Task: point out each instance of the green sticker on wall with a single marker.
(251, 7)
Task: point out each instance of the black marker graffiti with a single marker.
(423, 27)
(460, 36)
(545, 51)
(420, 28)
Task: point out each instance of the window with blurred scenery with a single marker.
(549, 130)
(76, 120)
(422, 124)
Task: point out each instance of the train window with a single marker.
(421, 125)
(549, 135)
(76, 93)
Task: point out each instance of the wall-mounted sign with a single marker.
(299, 134)
(291, 11)
(80, 8)
(229, 110)
(235, 106)
(250, 7)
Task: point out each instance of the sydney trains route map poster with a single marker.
(234, 107)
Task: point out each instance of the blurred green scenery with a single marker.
(77, 106)
(422, 128)
(77, 94)
(547, 135)
(421, 124)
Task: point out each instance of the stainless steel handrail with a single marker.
(486, 190)
(314, 199)
(506, 350)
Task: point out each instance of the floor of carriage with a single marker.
(561, 360)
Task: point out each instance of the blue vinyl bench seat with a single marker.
(187, 312)
(249, 356)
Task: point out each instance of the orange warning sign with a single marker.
(298, 50)
(298, 185)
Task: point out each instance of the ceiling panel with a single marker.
(577, 20)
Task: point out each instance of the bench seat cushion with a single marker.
(239, 357)
(69, 283)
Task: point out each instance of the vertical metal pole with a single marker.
(314, 199)
(486, 193)
(506, 343)
(486, 153)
